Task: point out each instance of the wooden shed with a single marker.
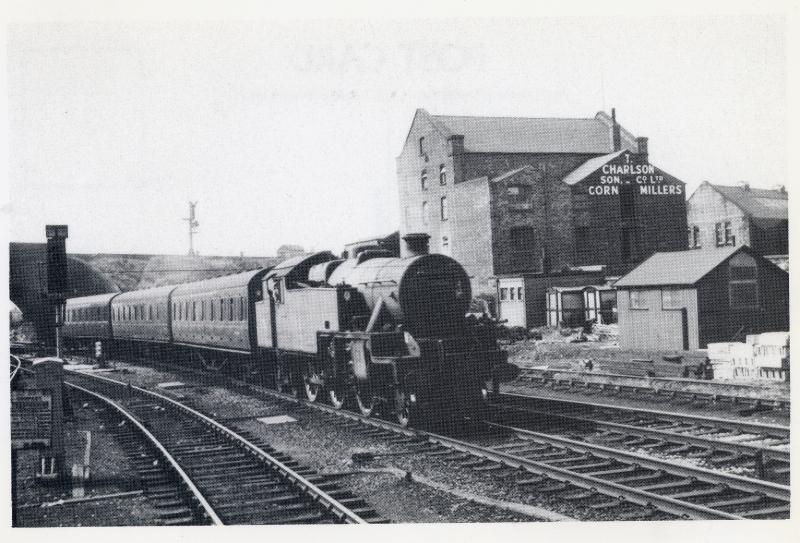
(687, 299)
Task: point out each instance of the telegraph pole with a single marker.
(193, 224)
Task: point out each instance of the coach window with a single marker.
(221, 309)
(230, 309)
(211, 305)
(194, 310)
(150, 312)
(202, 310)
(241, 308)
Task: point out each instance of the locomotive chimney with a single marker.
(416, 244)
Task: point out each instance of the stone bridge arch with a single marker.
(28, 284)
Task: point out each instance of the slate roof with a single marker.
(758, 203)
(589, 167)
(676, 267)
(533, 135)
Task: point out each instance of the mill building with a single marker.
(515, 198)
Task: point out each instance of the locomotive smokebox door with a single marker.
(360, 353)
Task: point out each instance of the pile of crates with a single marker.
(761, 356)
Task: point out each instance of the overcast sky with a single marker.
(287, 132)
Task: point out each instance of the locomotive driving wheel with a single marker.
(337, 396)
(365, 400)
(311, 387)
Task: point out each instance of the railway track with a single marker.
(198, 471)
(576, 382)
(759, 449)
(625, 485)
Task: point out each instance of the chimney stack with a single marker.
(417, 244)
(617, 137)
(641, 144)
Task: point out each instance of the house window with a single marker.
(743, 282)
(671, 299)
(424, 212)
(638, 299)
(504, 294)
(423, 180)
(442, 174)
(443, 208)
(694, 237)
(422, 146)
(724, 234)
(519, 192)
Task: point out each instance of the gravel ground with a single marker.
(110, 473)
(327, 446)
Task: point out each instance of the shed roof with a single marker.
(758, 203)
(533, 134)
(676, 267)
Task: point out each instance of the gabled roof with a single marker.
(589, 167)
(678, 267)
(758, 203)
(531, 134)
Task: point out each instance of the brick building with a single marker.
(536, 195)
(721, 216)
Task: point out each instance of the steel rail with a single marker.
(736, 482)
(185, 479)
(671, 437)
(728, 424)
(282, 470)
(630, 494)
(552, 376)
(17, 367)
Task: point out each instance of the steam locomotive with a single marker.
(374, 331)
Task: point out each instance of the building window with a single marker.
(424, 212)
(503, 294)
(423, 180)
(442, 174)
(519, 293)
(743, 282)
(519, 192)
(638, 299)
(724, 234)
(694, 237)
(511, 293)
(422, 146)
(443, 208)
(445, 241)
(671, 299)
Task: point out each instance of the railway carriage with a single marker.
(214, 320)
(140, 320)
(87, 319)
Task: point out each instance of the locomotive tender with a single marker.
(387, 333)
